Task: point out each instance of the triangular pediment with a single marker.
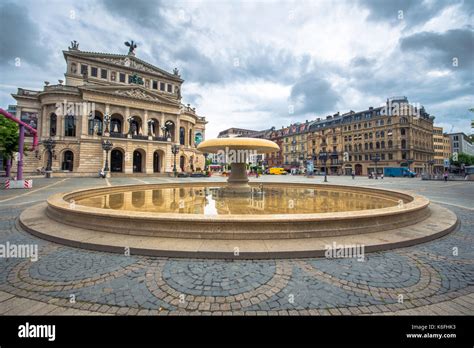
(127, 61)
(134, 92)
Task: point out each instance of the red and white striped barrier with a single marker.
(18, 184)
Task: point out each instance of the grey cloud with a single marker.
(313, 94)
(20, 36)
(144, 12)
(362, 62)
(414, 12)
(439, 49)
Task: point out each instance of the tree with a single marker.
(463, 158)
(9, 135)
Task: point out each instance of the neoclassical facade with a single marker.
(120, 98)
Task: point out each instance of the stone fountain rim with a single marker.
(61, 202)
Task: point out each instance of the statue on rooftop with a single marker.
(131, 47)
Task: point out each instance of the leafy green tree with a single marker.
(9, 135)
(463, 158)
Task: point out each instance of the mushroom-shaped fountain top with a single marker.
(238, 180)
(251, 144)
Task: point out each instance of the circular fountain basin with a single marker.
(275, 211)
(277, 220)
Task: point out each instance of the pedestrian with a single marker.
(353, 175)
(445, 176)
(381, 176)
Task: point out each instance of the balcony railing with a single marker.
(117, 135)
(139, 136)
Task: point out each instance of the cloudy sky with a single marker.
(257, 64)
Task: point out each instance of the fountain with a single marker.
(239, 150)
(236, 219)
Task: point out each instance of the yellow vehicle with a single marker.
(277, 171)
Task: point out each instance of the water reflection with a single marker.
(210, 201)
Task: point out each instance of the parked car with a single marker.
(183, 175)
(277, 171)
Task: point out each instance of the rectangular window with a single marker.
(84, 69)
(170, 88)
(94, 71)
(155, 84)
(162, 86)
(103, 73)
(122, 77)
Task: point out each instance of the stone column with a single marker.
(162, 124)
(60, 126)
(128, 160)
(126, 125)
(84, 120)
(176, 131)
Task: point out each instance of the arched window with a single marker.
(390, 144)
(53, 122)
(371, 146)
(95, 125)
(403, 120)
(366, 146)
(404, 144)
(402, 131)
(69, 126)
(182, 135)
(382, 144)
(377, 145)
(116, 125)
(68, 161)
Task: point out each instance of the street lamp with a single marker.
(323, 157)
(175, 150)
(106, 146)
(376, 159)
(107, 119)
(49, 144)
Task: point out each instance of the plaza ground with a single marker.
(430, 277)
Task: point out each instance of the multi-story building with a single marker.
(460, 142)
(294, 146)
(326, 137)
(442, 150)
(115, 97)
(396, 134)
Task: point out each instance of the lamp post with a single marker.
(376, 159)
(106, 146)
(175, 150)
(107, 119)
(323, 156)
(49, 144)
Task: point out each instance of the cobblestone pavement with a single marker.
(435, 278)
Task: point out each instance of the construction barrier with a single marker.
(18, 184)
